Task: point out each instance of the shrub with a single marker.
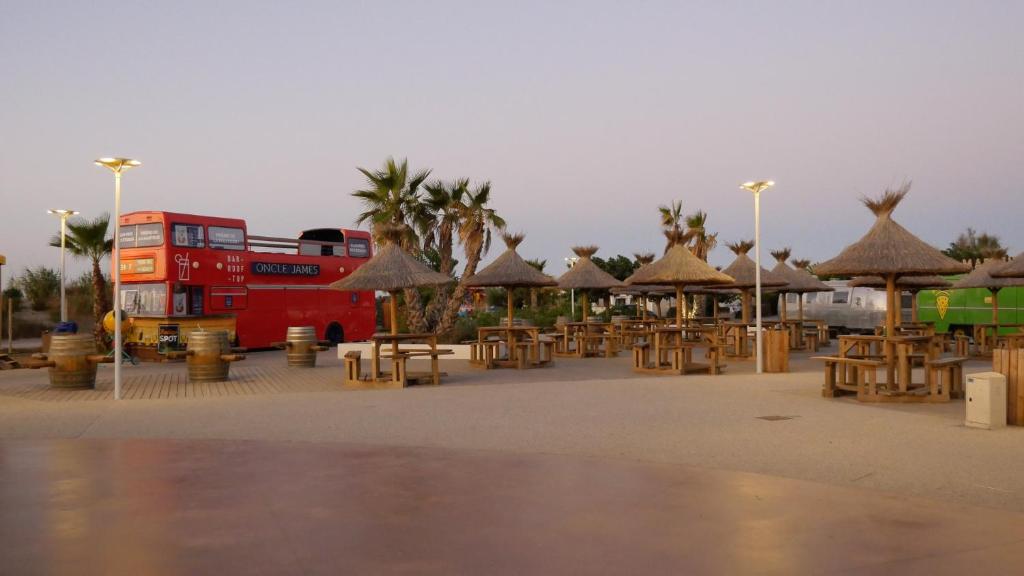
(40, 285)
(15, 296)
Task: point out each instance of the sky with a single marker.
(584, 116)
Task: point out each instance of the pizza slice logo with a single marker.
(942, 303)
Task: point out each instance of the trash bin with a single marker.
(66, 328)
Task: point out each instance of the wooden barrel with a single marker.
(205, 349)
(302, 346)
(71, 366)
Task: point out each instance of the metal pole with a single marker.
(757, 277)
(63, 245)
(10, 325)
(117, 286)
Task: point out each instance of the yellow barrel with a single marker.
(205, 350)
(71, 365)
(302, 346)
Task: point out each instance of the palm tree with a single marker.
(392, 197)
(701, 242)
(443, 205)
(539, 265)
(477, 221)
(642, 259)
(88, 239)
(671, 217)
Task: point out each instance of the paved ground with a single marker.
(592, 417)
(216, 507)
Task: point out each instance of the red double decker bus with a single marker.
(180, 272)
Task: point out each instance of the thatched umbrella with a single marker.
(912, 284)
(641, 292)
(890, 251)
(804, 267)
(744, 272)
(585, 275)
(983, 277)
(797, 281)
(391, 270)
(712, 291)
(1012, 269)
(678, 268)
(510, 271)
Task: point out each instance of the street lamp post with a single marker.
(569, 263)
(757, 188)
(117, 166)
(64, 214)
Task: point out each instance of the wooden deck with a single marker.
(173, 384)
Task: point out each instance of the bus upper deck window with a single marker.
(358, 247)
(149, 235)
(188, 235)
(224, 238)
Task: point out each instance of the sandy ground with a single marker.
(593, 407)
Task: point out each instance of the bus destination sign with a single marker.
(285, 269)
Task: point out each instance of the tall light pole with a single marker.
(757, 188)
(64, 214)
(569, 263)
(117, 166)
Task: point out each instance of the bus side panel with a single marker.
(264, 321)
(353, 310)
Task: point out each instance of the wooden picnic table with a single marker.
(822, 327)
(589, 337)
(673, 346)
(737, 334)
(983, 342)
(515, 337)
(384, 339)
(897, 353)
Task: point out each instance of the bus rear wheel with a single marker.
(334, 334)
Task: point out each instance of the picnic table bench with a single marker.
(399, 376)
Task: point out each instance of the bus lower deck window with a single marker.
(144, 299)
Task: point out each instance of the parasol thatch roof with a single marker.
(642, 290)
(390, 269)
(909, 283)
(510, 270)
(585, 274)
(982, 277)
(710, 290)
(889, 248)
(743, 270)
(678, 267)
(797, 281)
(1012, 269)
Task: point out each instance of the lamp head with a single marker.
(62, 213)
(118, 165)
(757, 186)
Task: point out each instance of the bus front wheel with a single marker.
(334, 334)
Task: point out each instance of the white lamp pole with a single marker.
(756, 188)
(117, 166)
(64, 214)
(569, 263)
